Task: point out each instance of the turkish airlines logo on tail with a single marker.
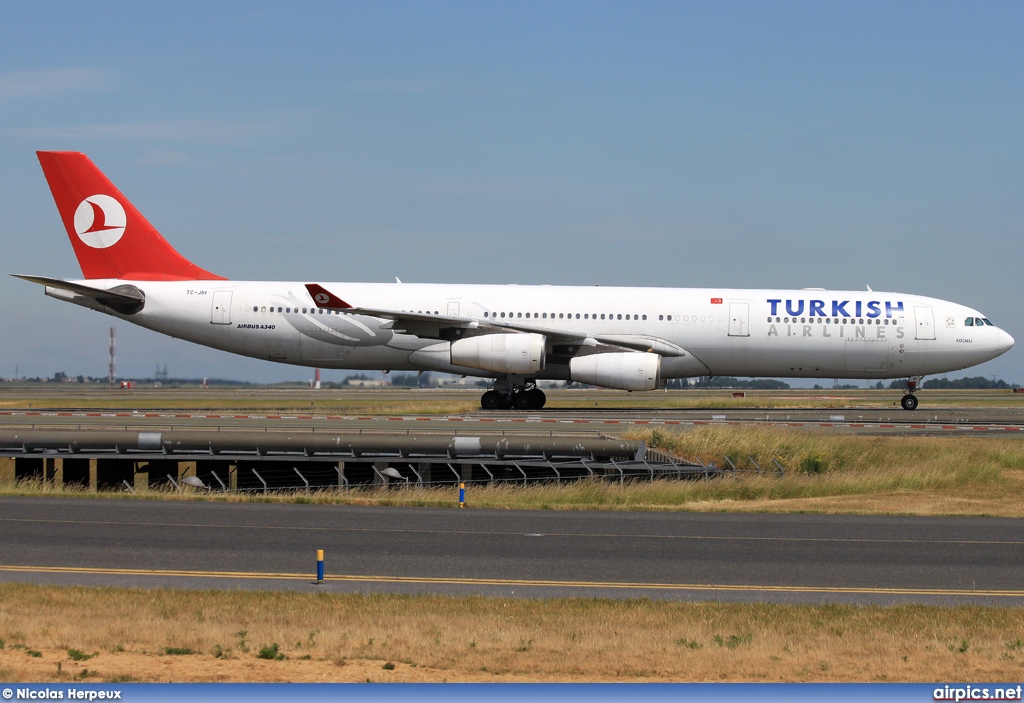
(100, 221)
(322, 298)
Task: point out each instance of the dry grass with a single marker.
(350, 637)
(827, 473)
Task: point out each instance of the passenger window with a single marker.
(645, 317)
(669, 318)
(255, 308)
(279, 309)
(661, 317)
(264, 308)
(620, 317)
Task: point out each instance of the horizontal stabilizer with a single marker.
(125, 299)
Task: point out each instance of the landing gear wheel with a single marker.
(492, 400)
(909, 402)
(538, 399)
(522, 400)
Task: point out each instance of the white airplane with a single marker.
(626, 338)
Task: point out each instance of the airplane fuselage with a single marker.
(625, 338)
(725, 332)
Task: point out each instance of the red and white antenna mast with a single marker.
(113, 348)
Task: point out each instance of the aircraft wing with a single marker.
(451, 326)
(430, 325)
(642, 342)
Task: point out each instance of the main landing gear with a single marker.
(909, 400)
(509, 394)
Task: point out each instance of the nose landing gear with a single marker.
(909, 400)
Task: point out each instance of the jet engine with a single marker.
(628, 371)
(501, 353)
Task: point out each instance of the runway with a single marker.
(562, 422)
(570, 412)
(681, 556)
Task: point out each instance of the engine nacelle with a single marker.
(501, 353)
(628, 371)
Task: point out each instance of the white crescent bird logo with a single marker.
(322, 298)
(100, 221)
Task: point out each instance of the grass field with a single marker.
(109, 634)
(827, 473)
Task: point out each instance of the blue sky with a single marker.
(739, 144)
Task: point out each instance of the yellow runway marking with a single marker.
(443, 581)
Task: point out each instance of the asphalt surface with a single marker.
(684, 556)
(593, 422)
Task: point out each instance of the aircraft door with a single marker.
(220, 312)
(925, 319)
(453, 308)
(739, 319)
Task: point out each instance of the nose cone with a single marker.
(1005, 342)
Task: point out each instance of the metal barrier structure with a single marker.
(267, 461)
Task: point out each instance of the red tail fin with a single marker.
(111, 238)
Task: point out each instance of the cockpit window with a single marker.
(978, 322)
(987, 322)
(969, 322)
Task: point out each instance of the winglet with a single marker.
(326, 299)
